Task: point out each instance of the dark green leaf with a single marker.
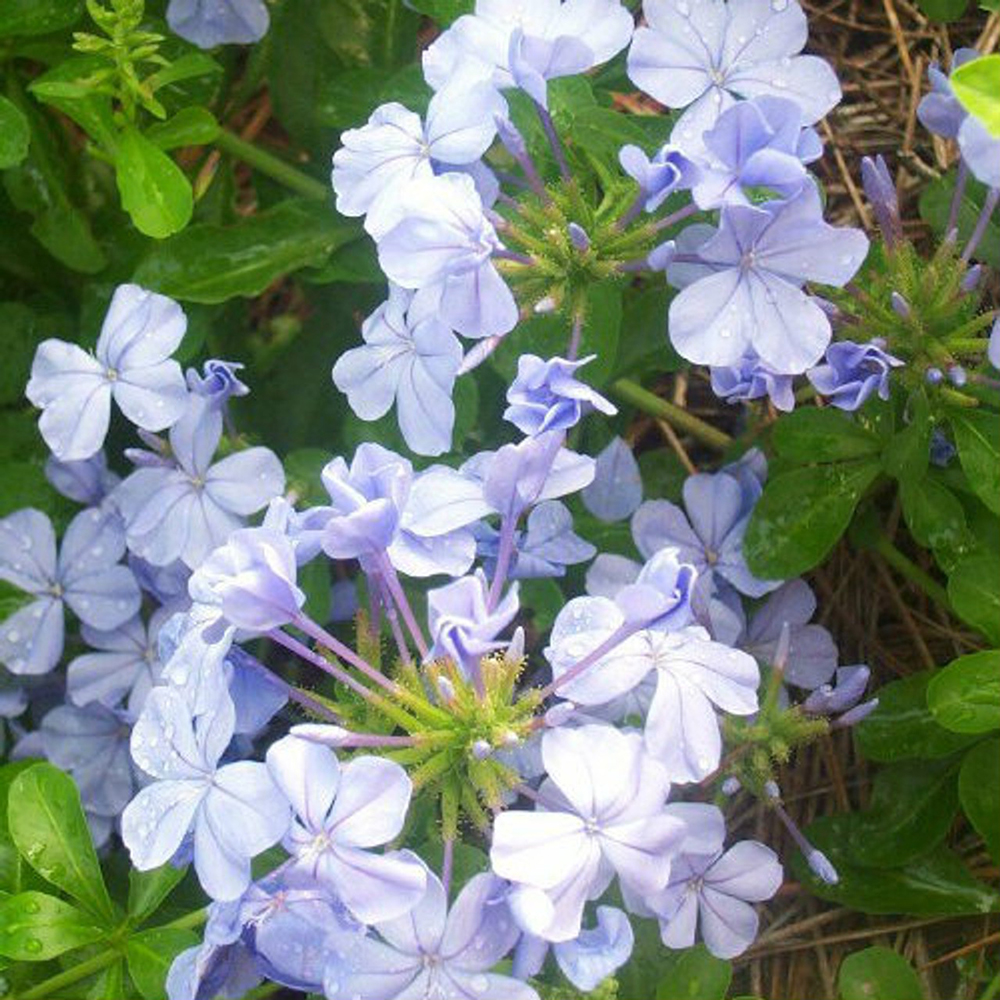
(314, 579)
(35, 927)
(49, 828)
(211, 264)
(977, 435)
(810, 434)
(907, 456)
(935, 206)
(979, 791)
(443, 11)
(189, 127)
(14, 134)
(943, 10)
(153, 189)
(912, 807)
(37, 17)
(878, 974)
(150, 954)
(974, 592)
(802, 514)
(965, 695)
(695, 974)
(936, 518)
(147, 890)
(17, 348)
(644, 347)
(933, 885)
(545, 600)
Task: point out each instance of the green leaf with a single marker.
(65, 87)
(153, 189)
(976, 85)
(979, 792)
(903, 728)
(443, 11)
(936, 518)
(15, 134)
(907, 456)
(35, 927)
(811, 434)
(696, 974)
(11, 866)
(974, 592)
(49, 828)
(878, 973)
(147, 890)
(17, 349)
(211, 264)
(645, 348)
(935, 208)
(912, 807)
(936, 884)
(189, 127)
(150, 954)
(37, 17)
(977, 435)
(965, 695)
(802, 514)
(543, 600)
(314, 579)
(943, 10)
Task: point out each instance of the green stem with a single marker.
(189, 921)
(911, 571)
(275, 168)
(677, 417)
(48, 987)
(992, 989)
(968, 345)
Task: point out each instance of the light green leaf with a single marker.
(147, 890)
(977, 86)
(14, 134)
(974, 592)
(189, 127)
(150, 954)
(35, 927)
(153, 189)
(878, 974)
(977, 435)
(965, 695)
(49, 828)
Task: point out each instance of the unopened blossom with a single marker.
(751, 379)
(87, 480)
(853, 373)
(341, 812)
(131, 364)
(410, 358)
(234, 811)
(658, 176)
(218, 381)
(547, 396)
(744, 292)
(208, 23)
(434, 952)
(85, 576)
(702, 55)
(604, 815)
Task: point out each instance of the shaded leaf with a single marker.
(150, 954)
(965, 696)
(35, 927)
(878, 974)
(979, 790)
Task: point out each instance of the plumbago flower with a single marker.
(208, 23)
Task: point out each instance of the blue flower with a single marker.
(852, 373)
(751, 379)
(658, 177)
(131, 364)
(411, 358)
(87, 480)
(544, 549)
(235, 811)
(85, 577)
(616, 490)
(742, 289)
(207, 23)
(545, 395)
(217, 382)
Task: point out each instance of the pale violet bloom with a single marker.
(341, 812)
(708, 537)
(544, 549)
(250, 580)
(395, 147)
(208, 23)
(234, 811)
(993, 347)
(463, 626)
(755, 144)
(853, 373)
(703, 54)
(693, 676)
(217, 382)
(131, 364)
(616, 490)
(603, 815)
(668, 170)
(185, 510)
(743, 290)
(87, 480)
(431, 952)
(525, 43)
(409, 357)
(123, 667)
(547, 396)
(435, 234)
(751, 379)
(85, 577)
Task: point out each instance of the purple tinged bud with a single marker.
(881, 192)
(993, 348)
(578, 237)
(771, 791)
(481, 749)
(559, 714)
(328, 736)
(853, 716)
(971, 279)
(821, 866)
(446, 690)
(545, 306)
(957, 376)
(662, 257)
(831, 309)
(515, 650)
(934, 376)
(780, 659)
(510, 739)
(731, 786)
(851, 684)
(900, 306)
(511, 137)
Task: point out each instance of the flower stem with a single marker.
(273, 166)
(347, 654)
(677, 417)
(399, 596)
(992, 199)
(550, 133)
(48, 987)
(505, 554)
(911, 571)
